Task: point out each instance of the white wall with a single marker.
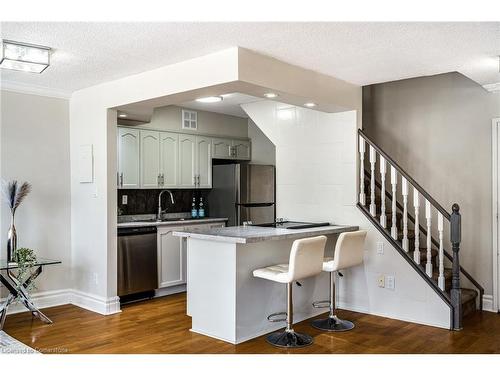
(316, 181)
(263, 150)
(170, 118)
(34, 147)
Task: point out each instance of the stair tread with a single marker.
(468, 294)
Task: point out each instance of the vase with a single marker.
(11, 242)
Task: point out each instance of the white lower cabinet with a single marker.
(172, 254)
(171, 258)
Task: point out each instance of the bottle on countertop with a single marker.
(194, 211)
(201, 209)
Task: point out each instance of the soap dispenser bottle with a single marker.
(194, 211)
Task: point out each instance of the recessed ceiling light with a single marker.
(122, 115)
(310, 104)
(270, 95)
(210, 99)
(24, 57)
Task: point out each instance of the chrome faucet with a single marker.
(160, 211)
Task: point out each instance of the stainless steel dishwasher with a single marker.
(137, 262)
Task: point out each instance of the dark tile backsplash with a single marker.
(145, 201)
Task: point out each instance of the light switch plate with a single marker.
(380, 248)
(124, 199)
(390, 282)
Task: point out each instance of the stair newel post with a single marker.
(362, 196)
(416, 205)
(428, 219)
(373, 159)
(383, 170)
(441, 280)
(394, 182)
(404, 189)
(456, 295)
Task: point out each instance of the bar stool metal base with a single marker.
(333, 324)
(289, 339)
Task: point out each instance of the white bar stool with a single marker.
(306, 260)
(348, 253)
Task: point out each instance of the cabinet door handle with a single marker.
(121, 179)
(162, 179)
(198, 180)
(194, 180)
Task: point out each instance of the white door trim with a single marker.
(495, 125)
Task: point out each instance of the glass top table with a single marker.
(4, 265)
(18, 286)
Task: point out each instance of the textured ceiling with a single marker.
(361, 53)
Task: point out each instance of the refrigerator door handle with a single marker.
(255, 204)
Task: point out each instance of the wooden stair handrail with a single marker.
(416, 185)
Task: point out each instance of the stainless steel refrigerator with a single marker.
(243, 193)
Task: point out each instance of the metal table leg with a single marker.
(18, 289)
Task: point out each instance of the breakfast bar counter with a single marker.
(225, 301)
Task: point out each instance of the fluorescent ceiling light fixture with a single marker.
(310, 104)
(24, 57)
(122, 115)
(270, 95)
(210, 99)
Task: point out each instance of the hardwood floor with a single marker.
(161, 326)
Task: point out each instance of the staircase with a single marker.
(414, 223)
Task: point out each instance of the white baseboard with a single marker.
(349, 307)
(488, 303)
(42, 300)
(98, 304)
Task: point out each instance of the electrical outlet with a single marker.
(390, 282)
(380, 248)
(124, 199)
(381, 281)
(96, 278)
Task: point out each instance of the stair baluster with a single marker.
(441, 282)
(383, 217)
(362, 196)
(404, 190)
(394, 182)
(373, 159)
(416, 205)
(428, 218)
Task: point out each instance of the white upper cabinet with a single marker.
(150, 159)
(169, 159)
(204, 162)
(187, 161)
(241, 150)
(221, 148)
(128, 158)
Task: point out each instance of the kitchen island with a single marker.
(225, 301)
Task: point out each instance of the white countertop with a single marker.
(135, 224)
(251, 234)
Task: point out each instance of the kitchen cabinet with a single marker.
(222, 148)
(169, 159)
(172, 254)
(187, 161)
(150, 159)
(241, 150)
(204, 162)
(171, 258)
(128, 158)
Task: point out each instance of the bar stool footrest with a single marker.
(272, 318)
(321, 304)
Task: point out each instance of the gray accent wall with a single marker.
(438, 128)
